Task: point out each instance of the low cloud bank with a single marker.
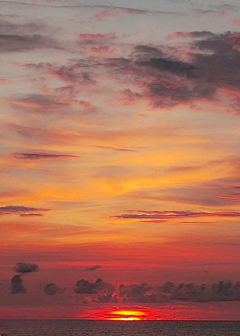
(144, 293)
(103, 292)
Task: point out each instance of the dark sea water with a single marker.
(118, 328)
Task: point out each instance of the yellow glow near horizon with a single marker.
(128, 313)
(124, 315)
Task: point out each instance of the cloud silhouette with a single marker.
(92, 268)
(137, 293)
(52, 288)
(25, 268)
(85, 287)
(17, 285)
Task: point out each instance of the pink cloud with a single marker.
(236, 22)
(107, 13)
(196, 34)
(103, 50)
(178, 35)
(3, 80)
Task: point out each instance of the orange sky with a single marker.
(119, 157)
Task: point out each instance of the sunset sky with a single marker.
(120, 166)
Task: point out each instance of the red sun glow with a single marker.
(124, 315)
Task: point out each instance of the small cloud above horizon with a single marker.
(21, 267)
(92, 268)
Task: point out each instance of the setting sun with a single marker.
(125, 319)
(124, 315)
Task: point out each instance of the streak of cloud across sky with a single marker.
(119, 159)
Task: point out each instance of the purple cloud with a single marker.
(19, 210)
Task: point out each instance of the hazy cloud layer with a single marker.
(20, 43)
(215, 193)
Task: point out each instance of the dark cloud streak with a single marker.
(175, 214)
(19, 210)
(41, 156)
(92, 268)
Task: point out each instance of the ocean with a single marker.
(118, 328)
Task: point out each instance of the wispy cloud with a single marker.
(97, 37)
(42, 156)
(174, 214)
(20, 210)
